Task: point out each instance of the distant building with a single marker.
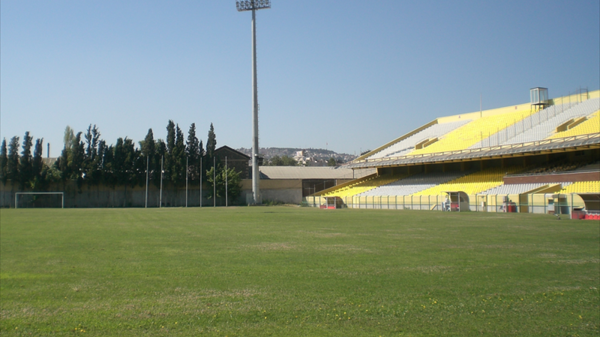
(235, 159)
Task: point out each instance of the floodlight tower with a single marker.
(242, 6)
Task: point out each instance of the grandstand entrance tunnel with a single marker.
(459, 201)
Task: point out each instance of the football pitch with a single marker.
(287, 271)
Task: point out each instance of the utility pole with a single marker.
(161, 177)
(187, 171)
(147, 166)
(214, 181)
(242, 6)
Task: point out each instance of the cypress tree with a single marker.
(3, 162)
(148, 145)
(76, 159)
(148, 150)
(178, 158)
(25, 169)
(12, 164)
(38, 162)
(211, 145)
(169, 160)
(193, 152)
(161, 152)
(92, 138)
(68, 137)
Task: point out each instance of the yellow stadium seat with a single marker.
(472, 133)
(592, 125)
(582, 187)
(364, 185)
(472, 183)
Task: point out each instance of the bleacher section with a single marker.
(591, 125)
(582, 187)
(413, 184)
(472, 183)
(507, 132)
(546, 128)
(363, 186)
(407, 145)
(533, 162)
(472, 133)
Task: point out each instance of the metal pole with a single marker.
(161, 179)
(214, 181)
(226, 203)
(200, 181)
(255, 169)
(147, 166)
(187, 171)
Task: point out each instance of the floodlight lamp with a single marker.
(248, 5)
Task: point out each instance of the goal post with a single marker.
(62, 196)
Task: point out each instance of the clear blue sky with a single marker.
(350, 74)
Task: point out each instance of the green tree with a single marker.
(109, 176)
(148, 145)
(3, 161)
(62, 164)
(229, 176)
(161, 152)
(289, 161)
(12, 166)
(193, 153)
(37, 164)
(25, 169)
(124, 164)
(331, 162)
(211, 144)
(282, 161)
(91, 161)
(148, 150)
(92, 138)
(169, 156)
(178, 158)
(76, 158)
(68, 137)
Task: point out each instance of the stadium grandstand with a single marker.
(538, 157)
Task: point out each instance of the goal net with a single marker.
(39, 200)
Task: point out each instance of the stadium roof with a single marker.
(300, 172)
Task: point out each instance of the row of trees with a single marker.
(88, 159)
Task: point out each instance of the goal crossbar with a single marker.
(62, 194)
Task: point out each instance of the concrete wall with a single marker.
(106, 196)
(288, 191)
(99, 196)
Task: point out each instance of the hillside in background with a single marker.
(311, 157)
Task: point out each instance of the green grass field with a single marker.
(286, 271)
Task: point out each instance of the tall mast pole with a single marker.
(254, 5)
(255, 169)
